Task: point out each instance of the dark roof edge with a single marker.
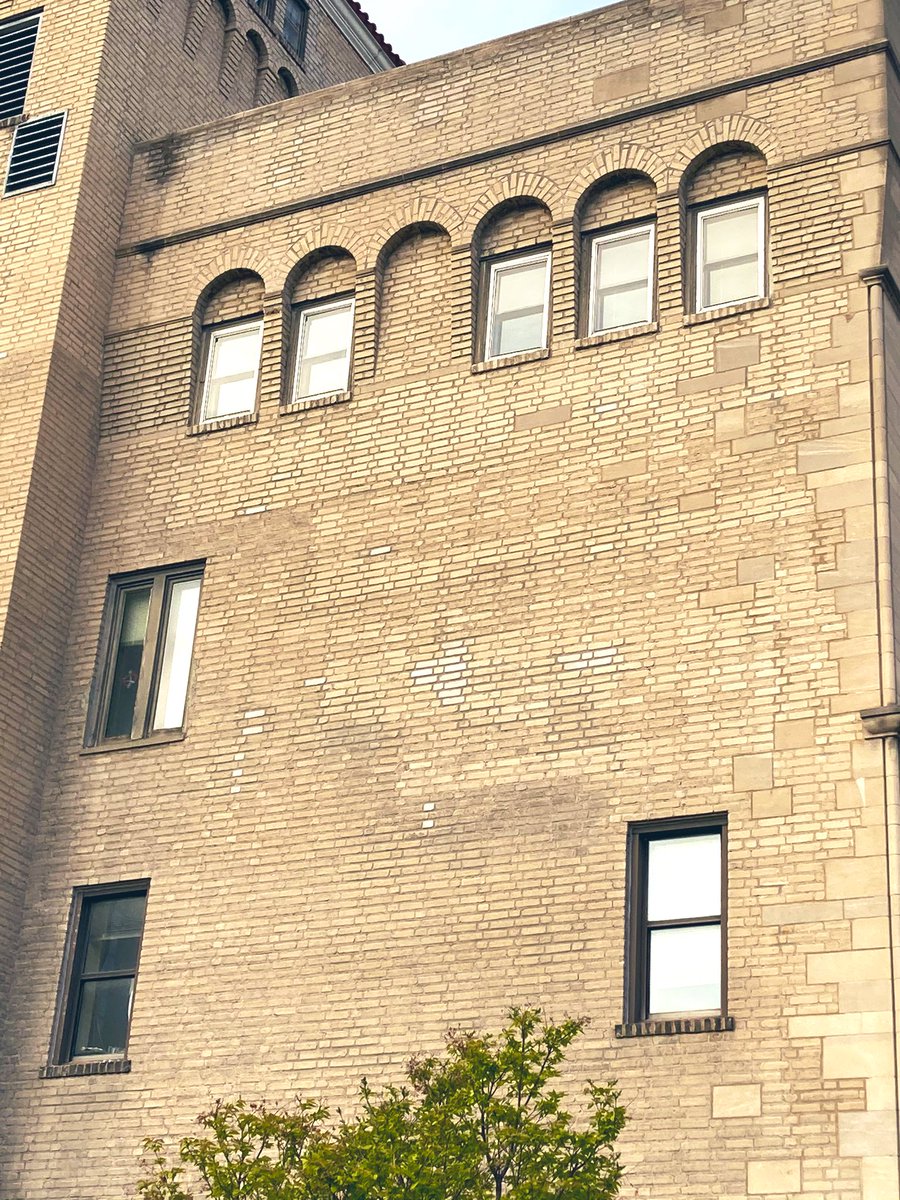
(374, 31)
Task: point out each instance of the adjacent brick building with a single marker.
(352, 695)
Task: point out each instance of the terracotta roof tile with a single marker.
(370, 25)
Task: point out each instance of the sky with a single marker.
(424, 28)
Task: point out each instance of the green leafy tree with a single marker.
(483, 1121)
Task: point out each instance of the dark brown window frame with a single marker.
(691, 239)
(637, 928)
(60, 1060)
(160, 580)
(299, 47)
(485, 265)
(585, 274)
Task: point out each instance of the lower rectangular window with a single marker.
(144, 662)
(675, 961)
(99, 972)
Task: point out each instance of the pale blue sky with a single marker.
(424, 28)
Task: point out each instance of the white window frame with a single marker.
(213, 335)
(316, 309)
(36, 187)
(495, 267)
(599, 239)
(701, 215)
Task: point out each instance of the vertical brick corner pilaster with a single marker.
(670, 254)
(463, 301)
(564, 290)
(368, 302)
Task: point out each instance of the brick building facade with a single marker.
(543, 649)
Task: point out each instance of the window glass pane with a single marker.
(730, 235)
(624, 306)
(233, 366)
(684, 877)
(175, 670)
(623, 260)
(327, 332)
(514, 335)
(114, 934)
(103, 1011)
(322, 376)
(127, 664)
(520, 287)
(685, 969)
(730, 282)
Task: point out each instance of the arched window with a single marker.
(230, 326)
(513, 245)
(616, 220)
(287, 84)
(725, 205)
(322, 295)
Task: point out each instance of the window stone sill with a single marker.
(510, 360)
(96, 1066)
(162, 739)
(675, 1025)
(199, 427)
(616, 335)
(727, 310)
(312, 402)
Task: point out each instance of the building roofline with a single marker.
(379, 37)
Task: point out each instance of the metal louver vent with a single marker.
(35, 154)
(17, 42)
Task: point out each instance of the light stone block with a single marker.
(737, 1100)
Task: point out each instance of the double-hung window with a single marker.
(231, 370)
(145, 657)
(518, 304)
(730, 257)
(621, 278)
(100, 970)
(676, 931)
(296, 22)
(324, 334)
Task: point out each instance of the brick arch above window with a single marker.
(734, 129)
(514, 224)
(624, 158)
(525, 186)
(327, 271)
(233, 295)
(724, 170)
(616, 198)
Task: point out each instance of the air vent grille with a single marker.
(35, 154)
(17, 42)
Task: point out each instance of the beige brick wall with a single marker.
(456, 633)
(123, 73)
